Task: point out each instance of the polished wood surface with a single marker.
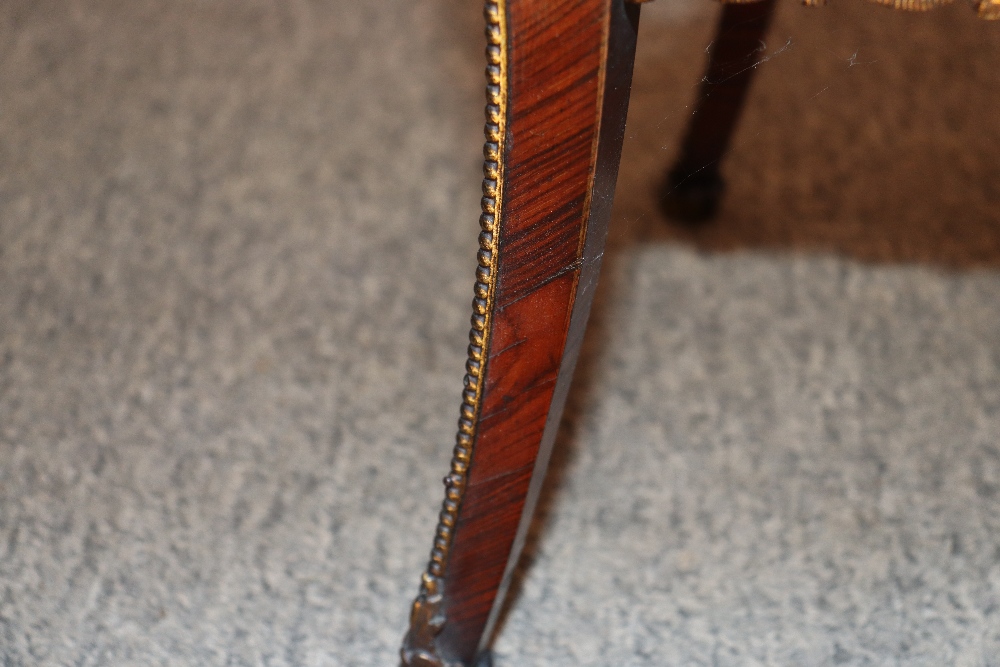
(569, 71)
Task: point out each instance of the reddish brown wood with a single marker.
(569, 72)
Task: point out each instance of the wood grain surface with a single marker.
(569, 72)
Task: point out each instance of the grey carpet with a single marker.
(236, 254)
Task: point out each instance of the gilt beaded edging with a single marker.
(427, 618)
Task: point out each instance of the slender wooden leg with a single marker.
(693, 187)
(559, 73)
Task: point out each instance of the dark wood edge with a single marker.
(558, 80)
(616, 84)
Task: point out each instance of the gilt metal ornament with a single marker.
(428, 616)
(987, 9)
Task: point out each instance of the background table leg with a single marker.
(693, 187)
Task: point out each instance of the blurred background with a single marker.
(236, 255)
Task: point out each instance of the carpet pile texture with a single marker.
(236, 256)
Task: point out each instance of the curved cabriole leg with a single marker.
(558, 75)
(693, 187)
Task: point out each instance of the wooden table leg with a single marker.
(559, 73)
(693, 187)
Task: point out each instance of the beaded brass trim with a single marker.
(427, 617)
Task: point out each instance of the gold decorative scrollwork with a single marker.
(427, 617)
(987, 9)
